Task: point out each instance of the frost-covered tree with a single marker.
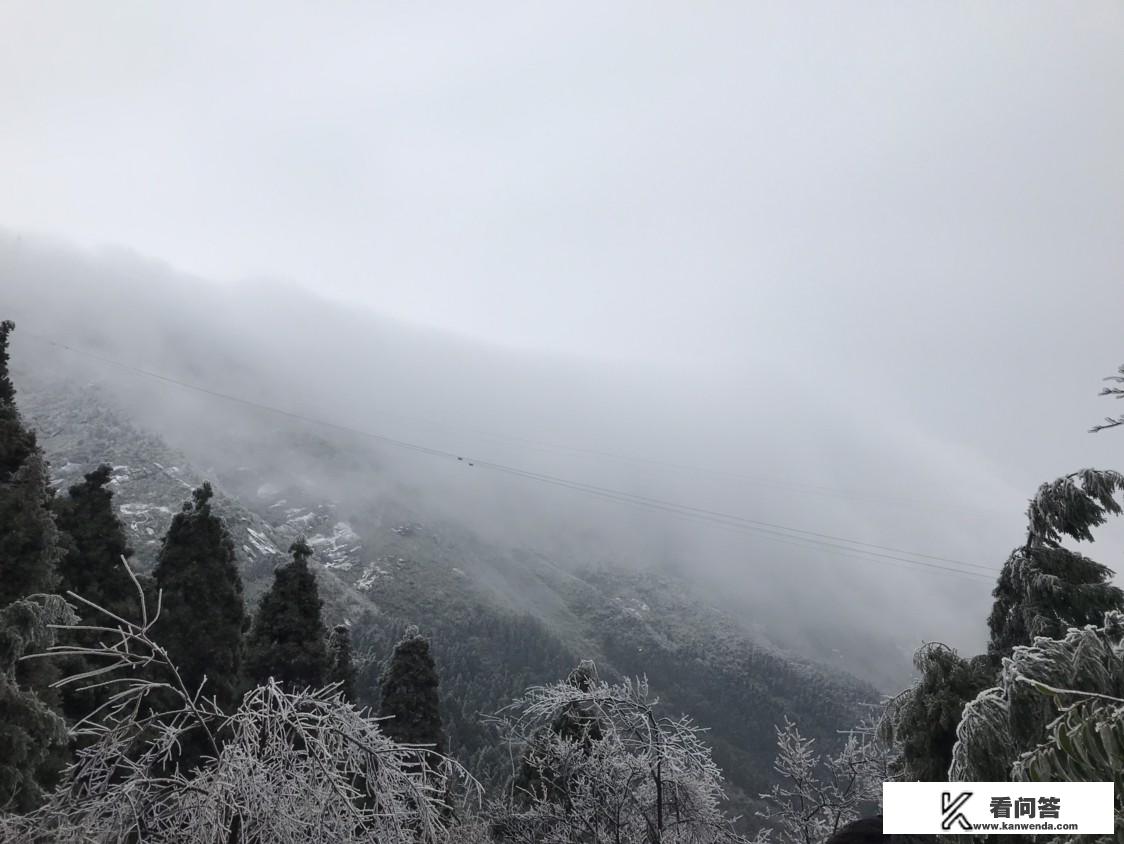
(32, 735)
(577, 722)
(1045, 588)
(410, 694)
(1117, 392)
(341, 667)
(287, 641)
(294, 767)
(818, 796)
(202, 596)
(921, 721)
(30, 749)
(29, 538)
(647, 778)
(1057, 713)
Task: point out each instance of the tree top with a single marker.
(300, 550)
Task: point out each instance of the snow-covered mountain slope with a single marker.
(500, 617)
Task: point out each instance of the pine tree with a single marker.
(409, 694)
(16, 442)
(923, 720)
(1054, 715)
(287, 642)
(95, 542)
(33, 736)
(202, 618)
(1044, 588)
(29, 541)
(341, 668)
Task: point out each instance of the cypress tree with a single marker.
(409, 694)
(32, 736)
(29, 541)
(341, 668)
(1044, 589)
(287, 642)
(203, 615)
(16, 441)
(925, 722)
(94, 543)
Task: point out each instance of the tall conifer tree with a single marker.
(32, 735)
(409, 694)
(16, 441)
(1044, 588)
(94, 543)
(203, 615)
(29, 541)
(287, 642)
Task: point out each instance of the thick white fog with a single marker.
(853, 270)
(772, 444)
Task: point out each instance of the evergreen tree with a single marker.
(16, 441)
(94, 543)
(923, 720)
(203, 616)
(1054, 715)
(29, 541)
(33, 736)
(341, 668)
(409, 694)
(287, 642)
(1044, 588)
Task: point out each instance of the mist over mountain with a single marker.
(769, 446)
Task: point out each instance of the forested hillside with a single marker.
(499, 619)
(559, 709)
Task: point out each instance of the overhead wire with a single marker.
(772, 531)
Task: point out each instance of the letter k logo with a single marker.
(950, 808)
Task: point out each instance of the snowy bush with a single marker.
(600, 764)
(283, 767)
(1057, 713)
(817, 795)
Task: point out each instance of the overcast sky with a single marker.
(913, 210)
(594, 177)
